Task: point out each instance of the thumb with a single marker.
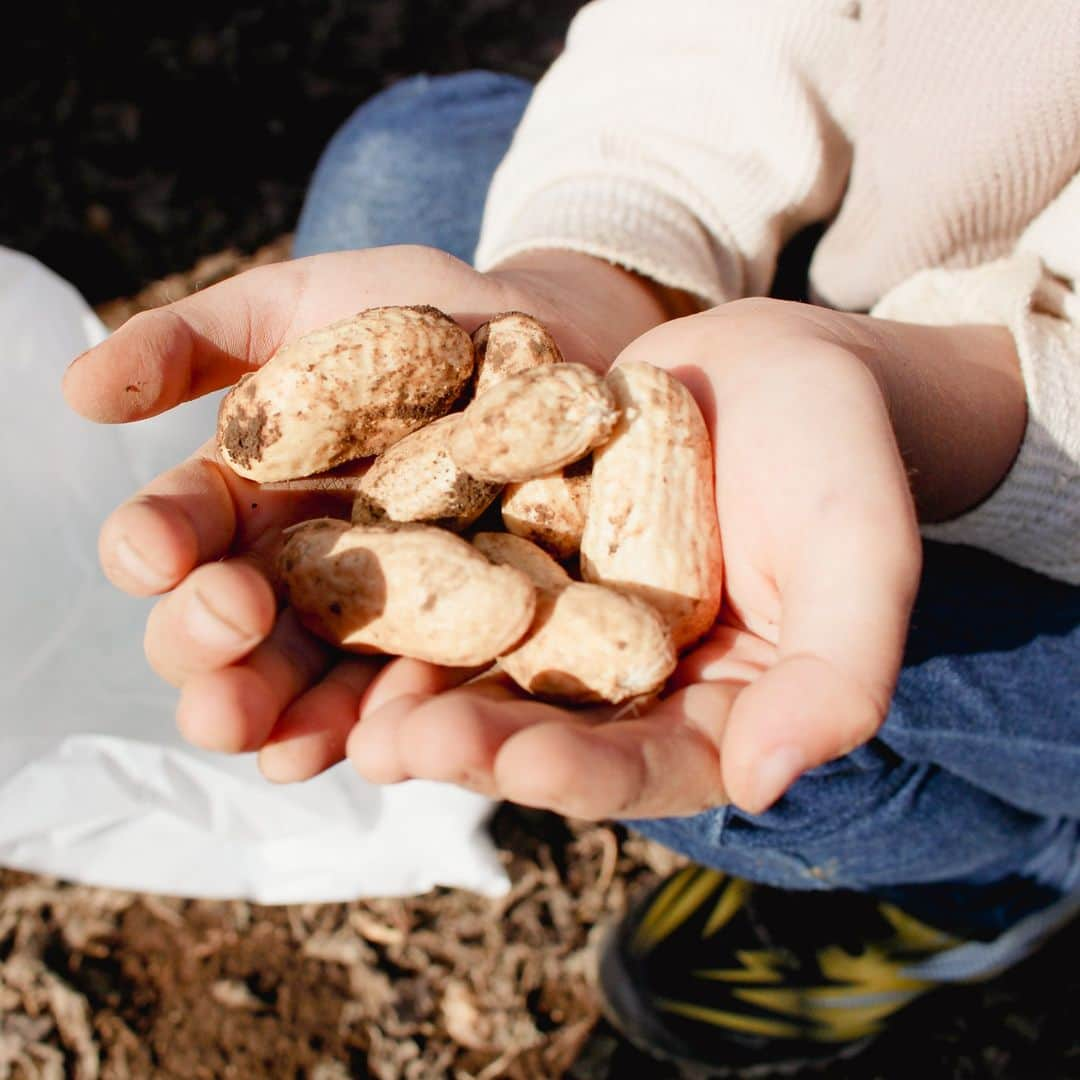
(168, 355)
(844, 621)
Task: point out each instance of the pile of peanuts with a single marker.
(608, 563)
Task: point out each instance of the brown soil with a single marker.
(95, 983)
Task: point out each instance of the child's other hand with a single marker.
(822, 559)
(809, 410)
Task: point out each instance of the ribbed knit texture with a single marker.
(689, 139)
(704, 118)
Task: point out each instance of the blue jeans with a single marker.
(968, 801)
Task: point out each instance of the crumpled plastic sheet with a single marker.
(96, 785)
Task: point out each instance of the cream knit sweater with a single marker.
(689, 139)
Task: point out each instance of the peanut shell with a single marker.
(535, 563)
(651, 528)
(344, 391)
(509, 343)
(587, 643)
(405, 590)
(550, 510)
(533, 423)
(416, 479)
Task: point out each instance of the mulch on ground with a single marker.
(101, 983)
(114, 985)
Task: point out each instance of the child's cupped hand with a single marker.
(204, 539)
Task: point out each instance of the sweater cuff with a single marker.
(623, 222)
(1033, 517)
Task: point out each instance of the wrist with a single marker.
(955, 394)
(957, 402)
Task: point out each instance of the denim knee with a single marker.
(990, 689)
(869, 821)
(973, 775)
(412, 165)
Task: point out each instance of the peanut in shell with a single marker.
(533, 423)
(651, 529)
(344, 391)
(404, 590)
(550, 510)
(587, 643)
(416, 479)
(535, 563)
(508, 343)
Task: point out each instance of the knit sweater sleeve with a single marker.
(1033, 517)
(684, 140)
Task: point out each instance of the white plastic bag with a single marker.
(95, 784)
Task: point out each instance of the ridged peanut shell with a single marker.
(534, 423)
(651, 528)
(550, 510)
(508, 343)
(587, 643)
(405, 590)
(344, 391)
(416, 479)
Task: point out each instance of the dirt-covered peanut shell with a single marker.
(651, 527)
(405, 590)
(416, 479)
(587, 643)
(508, 343)
(533, 423)
(344, 391)
(550, 510)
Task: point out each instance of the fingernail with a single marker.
(207, 625)
(132, 563)
(276, 764)
(775, 774)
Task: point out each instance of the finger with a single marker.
(214, 618)
(183, 517)
(171, 354)
(234, 709)
(377, 746)
(665, 763)
(194, 513)
(311, 734)
(845, 615)
(372, 746)
(405, 675)
(455, 738)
